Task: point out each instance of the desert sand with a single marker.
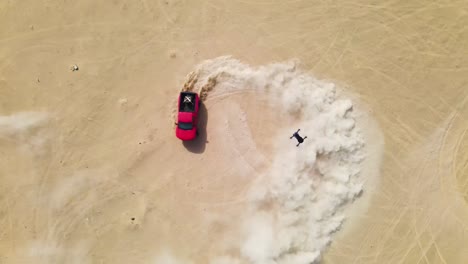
(91, 170)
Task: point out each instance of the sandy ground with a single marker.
(92, 172)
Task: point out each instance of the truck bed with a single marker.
(187, 106)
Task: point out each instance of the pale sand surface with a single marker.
(98, 146)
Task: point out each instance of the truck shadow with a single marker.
(198, 145)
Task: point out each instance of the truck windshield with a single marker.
(185, 126)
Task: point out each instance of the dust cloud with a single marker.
(297, 204)
(27, 130)
(20, 122)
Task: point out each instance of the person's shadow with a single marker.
(199, 143)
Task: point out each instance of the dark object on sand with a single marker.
(298, 137)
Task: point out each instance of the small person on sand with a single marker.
(298, 137)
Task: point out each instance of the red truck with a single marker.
(187, 116)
